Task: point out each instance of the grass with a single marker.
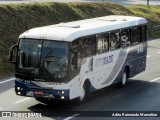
(152, 14)
(17, 18)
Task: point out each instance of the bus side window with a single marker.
(143, 33)
(136, 35)
(102, 43)
(125, 38)
(76, 55)
(89, 45)
(114, 40)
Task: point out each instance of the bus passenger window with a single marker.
(88, 45)
(102, 45)
(76, 54)
(143, 33)
(114, 40)
(136, 35)
(125, 38)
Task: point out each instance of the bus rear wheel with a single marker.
(124, 78)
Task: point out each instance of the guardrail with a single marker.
(156, 27)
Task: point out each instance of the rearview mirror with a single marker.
(74, 60)
(12, 54)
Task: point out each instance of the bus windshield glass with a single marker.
(43, 58)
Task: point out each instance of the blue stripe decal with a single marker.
(118, 66)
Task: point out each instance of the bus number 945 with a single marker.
(140, 49)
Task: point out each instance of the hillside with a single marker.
(17, 18)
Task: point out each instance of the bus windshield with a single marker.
(43, 58)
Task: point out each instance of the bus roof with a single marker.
(72, 30)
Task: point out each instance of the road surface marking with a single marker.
(68, 118)
(7, 80)
(158, 52)
(21, 100)
(0, 108)
(148, 56)
(154, 79)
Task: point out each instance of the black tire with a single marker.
(86, 91)
(124, 78)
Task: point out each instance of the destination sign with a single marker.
(104, 60)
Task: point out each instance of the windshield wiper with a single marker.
(27, 59)
(48, 52)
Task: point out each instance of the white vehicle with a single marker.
(69, 60)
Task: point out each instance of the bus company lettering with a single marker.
(104, 60)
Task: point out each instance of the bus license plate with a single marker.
(39, 93)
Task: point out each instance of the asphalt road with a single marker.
(141, 94)
(123, 2)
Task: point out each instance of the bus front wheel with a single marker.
(85, 92)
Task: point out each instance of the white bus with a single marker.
(70, 60)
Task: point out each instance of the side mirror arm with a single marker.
(11, 54)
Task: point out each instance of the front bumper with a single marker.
(32, 90)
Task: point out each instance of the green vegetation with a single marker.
(151, 13)
(17, 18)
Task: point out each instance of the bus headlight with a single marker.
(18, 88)
(62, 92)
(62, 97)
